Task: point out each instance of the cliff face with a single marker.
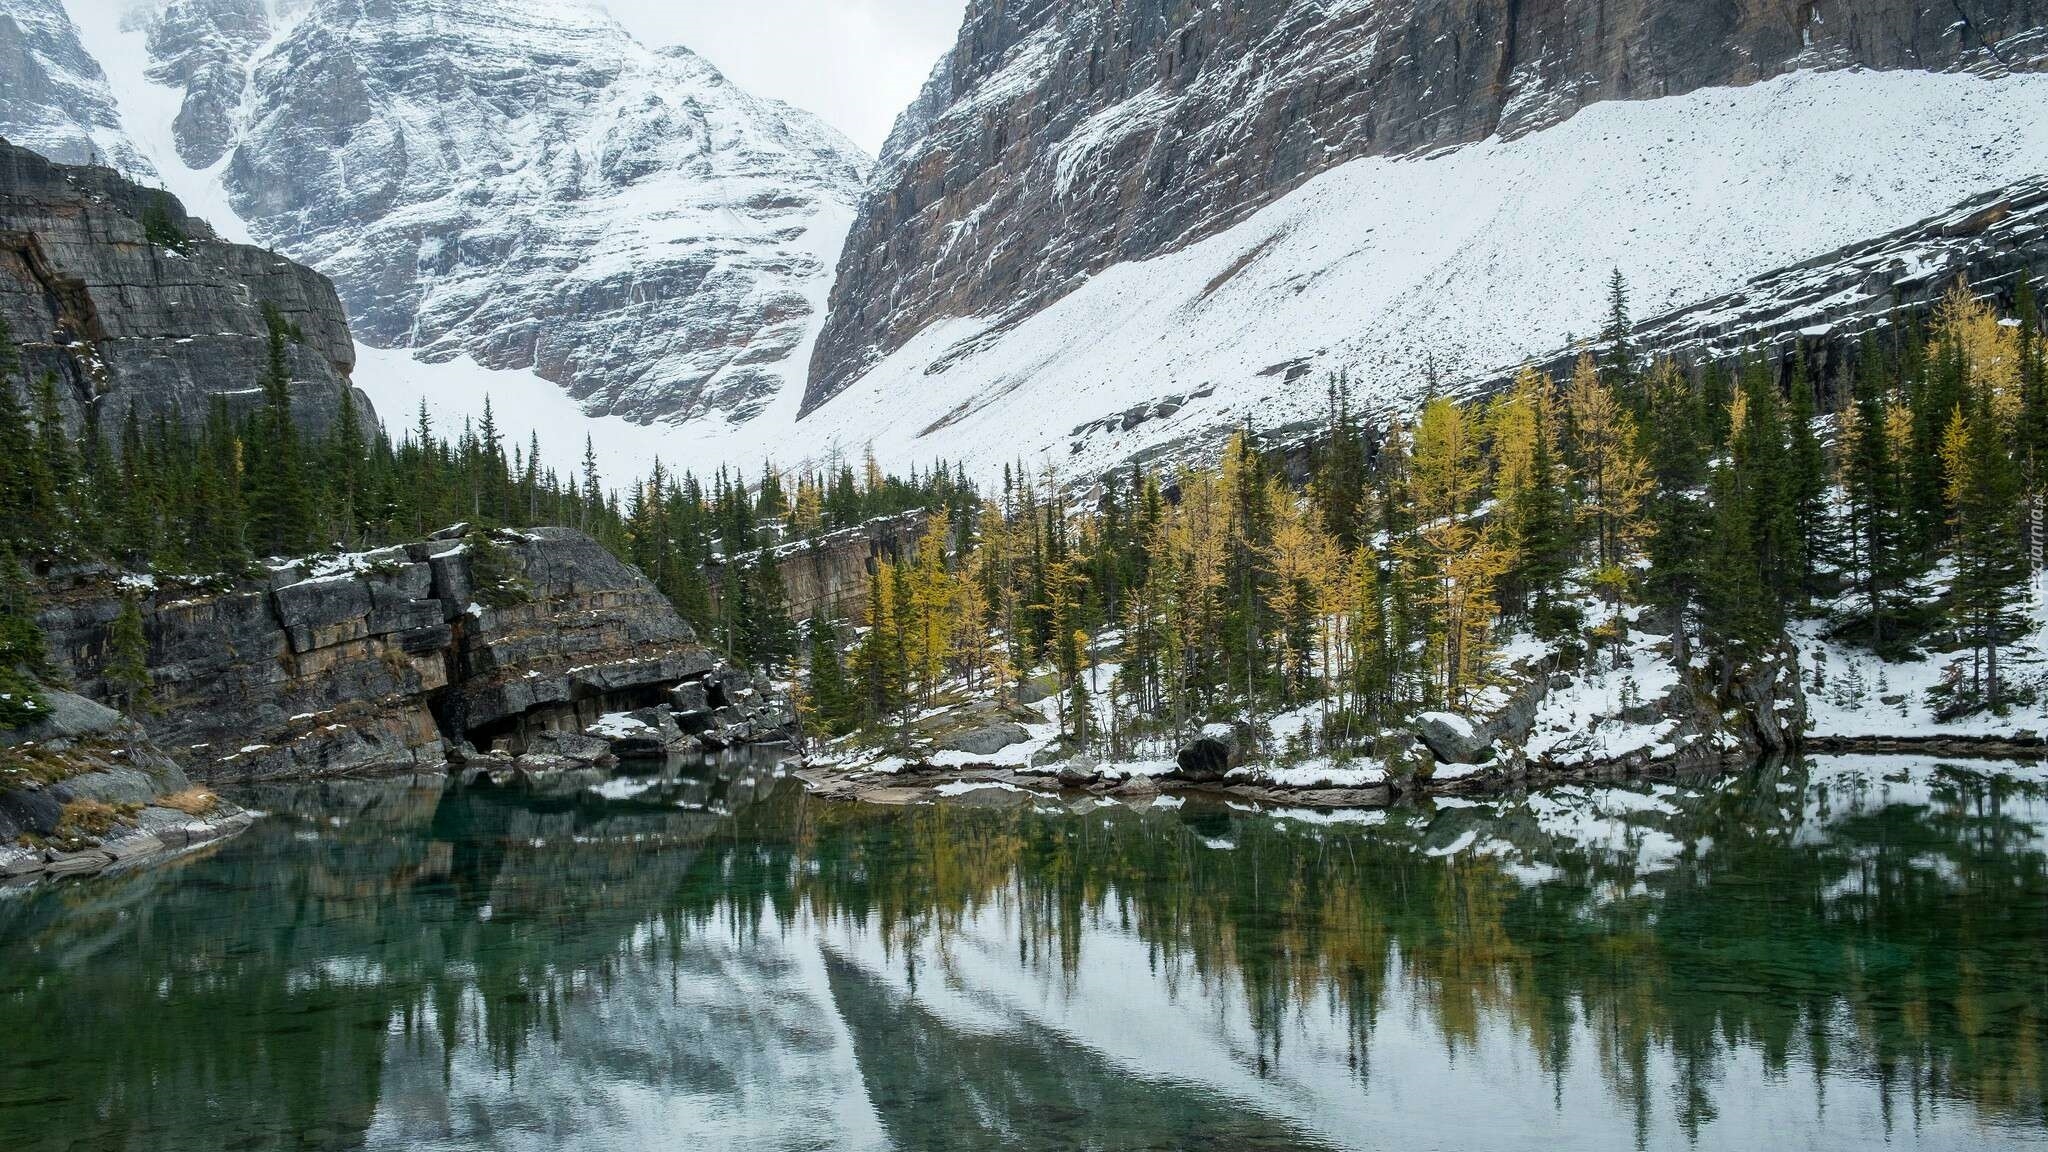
(830, 575)
(131, 324)
(392, 658)
(1063, 136)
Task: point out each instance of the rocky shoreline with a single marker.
(85, 790)
(499, 654)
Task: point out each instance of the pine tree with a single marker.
(1678, 436)
(771, 637)
(1733, 612)
(1873, 488)
(1983, 491)
(1618, 335)
(22, 654)
(1808, 480)
(127, 670)
(831, 696)
(280, 516)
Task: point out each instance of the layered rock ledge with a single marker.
(463, 646)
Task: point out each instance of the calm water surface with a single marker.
(1843, 954)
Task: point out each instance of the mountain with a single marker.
(57, 100)
(132, 321)
(517, 182)
(1126, 206)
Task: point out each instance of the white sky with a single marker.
(857, 63)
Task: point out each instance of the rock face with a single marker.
(56, 96)
(1062, 136)
(129, 323)
(521, 182)
(832, 572)
(397, 657)
(204, 48)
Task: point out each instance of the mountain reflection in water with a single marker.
(1825, 955)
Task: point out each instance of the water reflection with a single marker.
(1829, 955)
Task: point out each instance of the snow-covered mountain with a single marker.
(1106, 230)
(1111, 225)
(56, 99)
(517, 183)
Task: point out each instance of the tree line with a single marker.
(1709, 503)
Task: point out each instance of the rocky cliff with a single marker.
(1062, 136)
(404, 656)
(830, 575)
(157, 324)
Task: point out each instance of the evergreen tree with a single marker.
(22, 654)
(831, 696)
(280, 516)
(1983, 491)
(1678, 437)
(127, 670)
(1872, 484)
(1808, 478)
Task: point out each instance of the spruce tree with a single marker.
(1874, 491)
(127, 670)
(1678, 442)
(280, 516)
(1808, 480)
(22, 654)
(1984, 491)
(831, 696)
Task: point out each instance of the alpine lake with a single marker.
(1843, 953)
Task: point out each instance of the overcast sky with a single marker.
(857, 63)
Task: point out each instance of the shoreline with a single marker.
(918, 783)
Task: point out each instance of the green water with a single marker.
(1844, 954)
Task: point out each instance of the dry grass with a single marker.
(192, 801)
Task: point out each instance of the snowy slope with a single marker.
(1446, 266)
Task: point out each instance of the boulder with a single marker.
(1214, 753)
(1454, 739)
(689, 699)
(67, 717)
(560, 749)
(986, 741)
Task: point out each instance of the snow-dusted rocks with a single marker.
(163, 329)
(1444, 267)
(203, 48)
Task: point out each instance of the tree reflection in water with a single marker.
(702, 956)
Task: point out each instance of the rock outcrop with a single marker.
(84, 790)
(1062, 136)
(467, 645)
(159, 327)
(831, 573)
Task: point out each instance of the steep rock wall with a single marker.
(389, 658)
(130, 324)
(830, 575)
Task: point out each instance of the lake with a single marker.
(1843, 953)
